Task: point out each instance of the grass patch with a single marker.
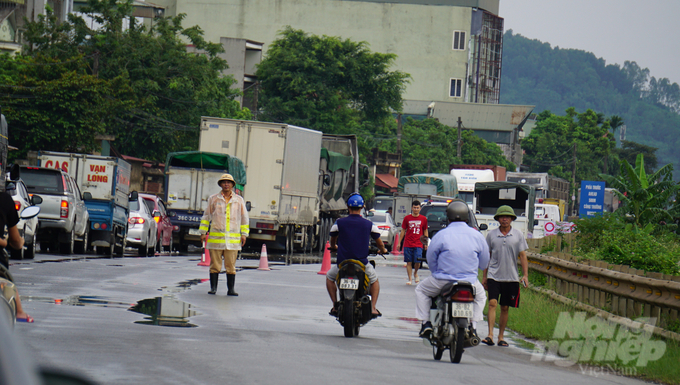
(537, 318)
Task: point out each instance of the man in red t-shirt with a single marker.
(413, 228)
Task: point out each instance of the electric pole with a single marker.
(399, 134)
(460, 125)
(573, 181)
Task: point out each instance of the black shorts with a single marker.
(508, 292)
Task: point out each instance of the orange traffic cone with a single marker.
(326, 262)
(205, 258)
(264, 263)
(395, 247)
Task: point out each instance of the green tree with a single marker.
(646, 198)
(630, 150)
(328, 84)
(52, 107)
(429, 146)
(551, 144)
(171, 88)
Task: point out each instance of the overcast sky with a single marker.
(644, 31)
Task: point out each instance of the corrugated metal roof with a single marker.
(475, 116)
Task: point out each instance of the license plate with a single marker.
(352, 284)
(461, 309)
(194, 232)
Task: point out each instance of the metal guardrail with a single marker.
(619, 290)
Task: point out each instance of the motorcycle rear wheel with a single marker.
(348, 318)
(456, 349)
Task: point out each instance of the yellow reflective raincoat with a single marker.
(227, 222)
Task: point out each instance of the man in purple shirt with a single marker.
(351, 237)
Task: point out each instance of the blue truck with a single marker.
(105, 185)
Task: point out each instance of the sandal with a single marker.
(502, 343)
(489, 341)
(408, 283)
(28, 319)
(333, 312)
(417, 279)
(374, 316)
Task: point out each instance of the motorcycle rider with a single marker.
(456, 253)
(351, 236)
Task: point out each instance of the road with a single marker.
(276, 332)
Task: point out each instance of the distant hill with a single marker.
(555, 79)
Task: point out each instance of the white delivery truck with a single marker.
(489, 196)
(105, 184)
(298, 179)
(466, 179)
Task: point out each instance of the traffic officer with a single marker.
(227, 219)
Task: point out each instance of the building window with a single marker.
(456, 89)
(459, 40)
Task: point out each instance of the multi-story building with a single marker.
(451, 48)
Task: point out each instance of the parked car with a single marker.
(28, 228)
(435, 212)
(64, 220)
(385, 223)
(160, 214)
(142, 228)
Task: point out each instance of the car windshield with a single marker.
(467, 196)
(434, 213)
(378, 218)
(42, 181)
(383, 204)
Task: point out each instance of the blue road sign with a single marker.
(591, 201)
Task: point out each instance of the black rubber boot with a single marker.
(230, 285)
(213, 283)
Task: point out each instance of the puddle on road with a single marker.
(80, 300)
(164, 311)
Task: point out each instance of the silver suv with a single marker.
(64, 220)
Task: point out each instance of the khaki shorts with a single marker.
(370, 271)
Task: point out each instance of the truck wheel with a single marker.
(81, 246)
(68, 246)
(31, 248)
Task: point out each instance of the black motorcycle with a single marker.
(354, 304)
(449, 315)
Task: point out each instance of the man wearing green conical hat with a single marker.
(501, 278)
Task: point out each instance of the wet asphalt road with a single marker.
(276, 332)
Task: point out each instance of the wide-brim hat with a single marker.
(505, 210)
(226, 177)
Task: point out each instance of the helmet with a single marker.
(457, 211)
(355, 200)
(226, 177)
(505, 210)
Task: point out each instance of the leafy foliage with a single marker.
(52, 107)
(328, 84)
(645, 198)
(551, 144)
(146, 89)
(430, 146)
(555, 79)
(612, 239)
